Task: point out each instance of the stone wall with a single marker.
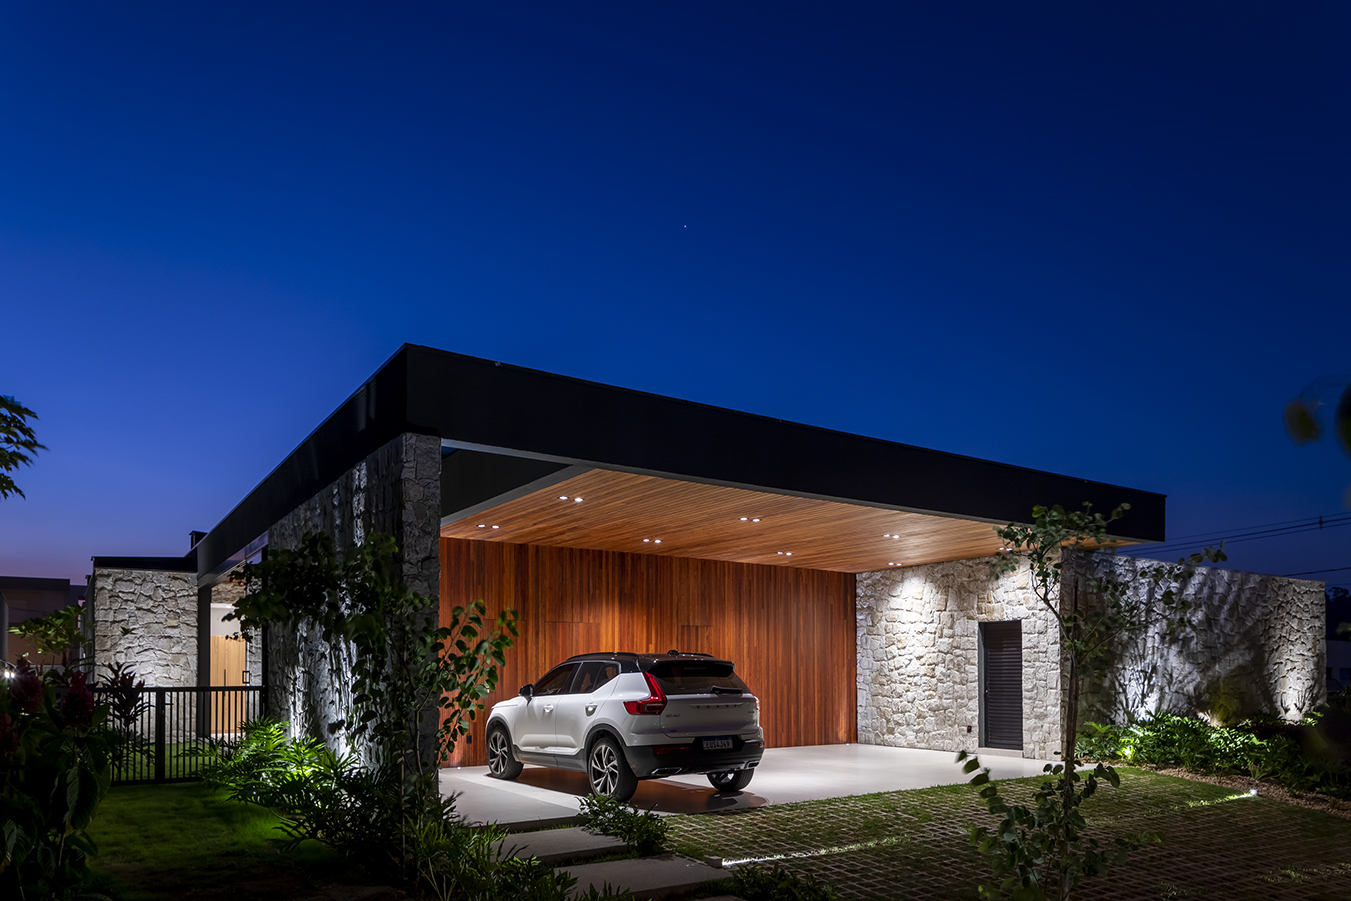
(395, 491)
(1255, 644)
(918, 632)
(159, 609)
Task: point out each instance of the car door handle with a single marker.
(548, 708)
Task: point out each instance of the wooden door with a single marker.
(227, 670)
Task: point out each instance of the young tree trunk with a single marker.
(1069, 723)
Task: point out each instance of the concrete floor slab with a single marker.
(541, 797)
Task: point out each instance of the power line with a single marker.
(1314, 572)
(1252, 533)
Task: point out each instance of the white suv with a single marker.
(622, 717)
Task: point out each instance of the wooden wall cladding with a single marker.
(790, 631)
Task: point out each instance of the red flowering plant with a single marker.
(56, 754)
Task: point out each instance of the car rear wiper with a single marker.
(724, 690)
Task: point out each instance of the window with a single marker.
(556, 681)
(697, 678)
(592, 675)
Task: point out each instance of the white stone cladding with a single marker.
(1255, 645)
(918, 628)
(160, 611)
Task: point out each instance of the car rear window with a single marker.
(676, 677)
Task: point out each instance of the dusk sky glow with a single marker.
(1107, 241)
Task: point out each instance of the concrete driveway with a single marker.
(543, 797)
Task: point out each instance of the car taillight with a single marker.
(649, 706)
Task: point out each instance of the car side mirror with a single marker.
(527, 691)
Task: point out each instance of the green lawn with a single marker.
(172, 841)
(163, 841)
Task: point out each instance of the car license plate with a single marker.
(717, 744)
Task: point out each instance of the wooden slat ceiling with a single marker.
(649, 515)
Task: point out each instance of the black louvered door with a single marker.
(1001, 649)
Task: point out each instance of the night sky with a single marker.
(1108, 241)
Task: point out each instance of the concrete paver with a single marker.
(553, 845)
(645, 877)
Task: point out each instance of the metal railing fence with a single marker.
(164, 726)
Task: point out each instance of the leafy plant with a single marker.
(18, 443)
(403, 669)
(644, 831)
(253, 768)
(755, 882)
(1042, 852)
(125, 697)
(54, 633)
(1260, 747)
(56, 759)
(402, 665)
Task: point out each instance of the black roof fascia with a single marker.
(486, 405)
(186, 564)
(371, 417)
(496, 405)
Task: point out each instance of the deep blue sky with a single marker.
(1105, 241)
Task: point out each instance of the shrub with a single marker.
(56, 756)
(777, 883)
(1295, 756)
(643, 831)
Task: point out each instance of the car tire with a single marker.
(502, 763)
(731, 780)
(608, 771)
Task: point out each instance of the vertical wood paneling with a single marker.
(790, 631)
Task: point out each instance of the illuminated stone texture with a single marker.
(918, 630)
(394, 491)
(1255, 645)
(160, 611)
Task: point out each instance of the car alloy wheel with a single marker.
(604, 768)
(501, 763)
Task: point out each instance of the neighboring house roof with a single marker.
(519, 425)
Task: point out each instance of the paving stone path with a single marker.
(912, 845)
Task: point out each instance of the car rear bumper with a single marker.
(649, 761)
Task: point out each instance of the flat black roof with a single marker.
(495, 407)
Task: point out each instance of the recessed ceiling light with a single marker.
(744, 518)
(577, 499)
(790, 553)
(658, 541)
(563, 497)
(646, 540)
(497, 527)
(755, 520)
(887, 535)
(482, 526)
(780, 553)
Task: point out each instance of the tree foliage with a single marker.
(18, 443)
(1304, 415)
(403, 665)
(54, 633)
(1042, 852)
